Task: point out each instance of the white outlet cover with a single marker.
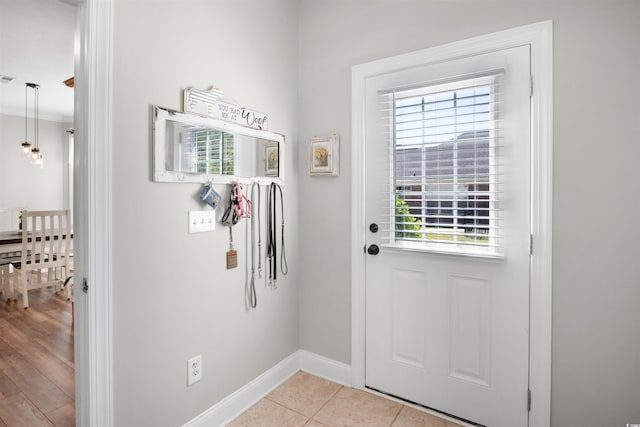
(194, 370)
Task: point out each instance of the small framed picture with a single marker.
(324, 156)
(272, 160)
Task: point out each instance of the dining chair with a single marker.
(5, 279)
(44, 261)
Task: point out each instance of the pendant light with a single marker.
(36, 156)
(26, 145)
(32, 152)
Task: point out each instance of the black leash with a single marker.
(272, 235)
(229, 216)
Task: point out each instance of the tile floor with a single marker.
(307, 400)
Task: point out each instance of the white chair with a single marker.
(5, 279)
(44, 261)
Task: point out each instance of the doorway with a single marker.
(464, 290)
(448, 207)
(37, 52)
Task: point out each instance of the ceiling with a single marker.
(37, 46)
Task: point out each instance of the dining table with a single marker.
(10, 243)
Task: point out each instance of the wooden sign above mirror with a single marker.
(210, 103)
(192, 148)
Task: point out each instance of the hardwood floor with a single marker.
(37, 386)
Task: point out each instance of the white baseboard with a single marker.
(324, 367)
(242, 399)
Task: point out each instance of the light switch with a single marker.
(201, 221)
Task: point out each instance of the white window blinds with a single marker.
(445, 157)
(204, 150)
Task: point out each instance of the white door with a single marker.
(447, 168)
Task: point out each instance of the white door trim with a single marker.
(92, 206)
(539, 36)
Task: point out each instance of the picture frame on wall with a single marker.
(324, 156)
(271, 160)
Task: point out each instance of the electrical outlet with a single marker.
(201, 221)
(194, 370)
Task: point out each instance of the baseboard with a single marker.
(242, 399)
(324, 367)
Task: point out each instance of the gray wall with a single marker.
(596, 349)
(172, 295)
(174, 299)
(21, 185)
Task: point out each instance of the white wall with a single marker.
(172, 296)
(20, 183)
(596, 350)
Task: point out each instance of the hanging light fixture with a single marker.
(36, 156)
(26, 145)
(37, 161)
(32, 152)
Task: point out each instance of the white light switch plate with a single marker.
(201, 221)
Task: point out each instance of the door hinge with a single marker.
(529, 400)
(530, 85)
(85, 285)
(530, 244)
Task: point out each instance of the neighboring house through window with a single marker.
(446, 165)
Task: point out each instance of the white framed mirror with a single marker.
(192, 148)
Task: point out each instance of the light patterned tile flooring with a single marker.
(307, 400)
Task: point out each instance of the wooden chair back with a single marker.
(46, 239)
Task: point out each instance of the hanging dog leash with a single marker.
(271, 240)
(239, 207)
(272, 246)
(253, 298)
(257, 210)
(242, 205)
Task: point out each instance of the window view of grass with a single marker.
(444, 165)
(447, 235)
(408, 227)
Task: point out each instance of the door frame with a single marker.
(92, 213)
(540, 37)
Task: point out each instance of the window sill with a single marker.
(447, 249)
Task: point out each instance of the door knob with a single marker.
(373, 227)
(373, 250)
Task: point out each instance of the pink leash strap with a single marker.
(241, 205)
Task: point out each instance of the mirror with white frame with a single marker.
(192, 148)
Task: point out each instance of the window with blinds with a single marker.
(204, 150)
(446, 166)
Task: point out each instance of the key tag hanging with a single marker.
(232, 254)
